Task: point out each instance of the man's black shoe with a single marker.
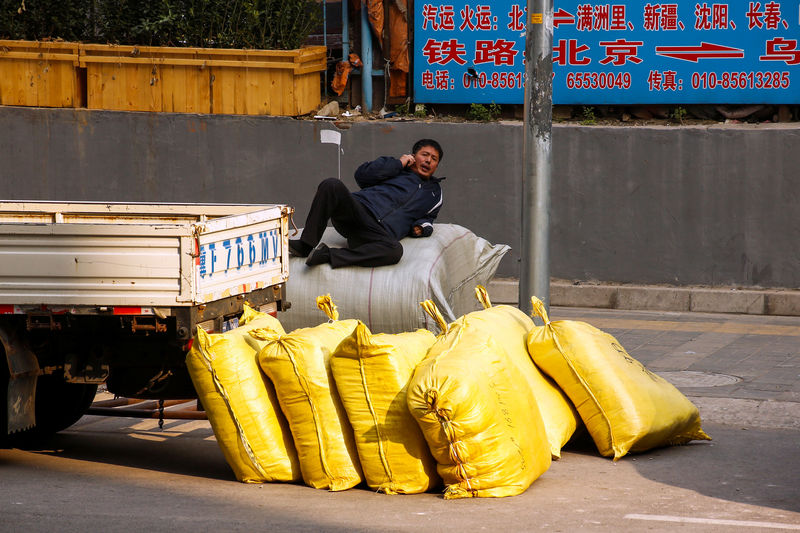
(298, 248)
(321, 254)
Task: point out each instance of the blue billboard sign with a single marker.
(628, 52)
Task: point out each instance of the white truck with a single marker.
(112, 293)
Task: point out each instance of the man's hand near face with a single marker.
(407, 160)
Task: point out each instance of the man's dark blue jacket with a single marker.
(398, 197)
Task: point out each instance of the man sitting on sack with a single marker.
(398, 198)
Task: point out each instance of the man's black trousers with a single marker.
(368, 243)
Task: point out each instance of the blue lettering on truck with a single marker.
(247, 255)
(227, 245)
(251, 247)
(264, 250)
(213, 249)
(239, 253)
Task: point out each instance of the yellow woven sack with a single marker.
(478, 414)
(242, 408)
(510, 327)
(252, 319)
(625, 406)
(372, 374)
(298, 363)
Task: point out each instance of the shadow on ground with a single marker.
(173, 450)
(746, 465)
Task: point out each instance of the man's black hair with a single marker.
(428, 142)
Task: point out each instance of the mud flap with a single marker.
(24, 371)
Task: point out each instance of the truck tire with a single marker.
(59, 405)
(4, 377)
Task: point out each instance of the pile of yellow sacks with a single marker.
(481, 409)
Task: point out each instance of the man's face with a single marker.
(426, 159)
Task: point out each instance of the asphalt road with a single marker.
(120, 474)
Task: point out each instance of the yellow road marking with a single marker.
(715, 327)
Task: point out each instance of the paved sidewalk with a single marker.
(738, 369)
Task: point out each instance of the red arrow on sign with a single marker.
(562, 17)
(704, 51)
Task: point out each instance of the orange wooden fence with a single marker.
(162, 79)
(40, 73)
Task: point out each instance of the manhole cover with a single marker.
(689, 378)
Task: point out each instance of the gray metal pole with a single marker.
(534, 276)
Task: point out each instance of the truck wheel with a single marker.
(4, 377)
(59, 404)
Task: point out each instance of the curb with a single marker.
(650, 298)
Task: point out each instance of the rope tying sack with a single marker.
(477, 412)
(298, 363)
(372, 372)
(625, 406)
(242, 408)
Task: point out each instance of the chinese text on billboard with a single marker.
(629, 52)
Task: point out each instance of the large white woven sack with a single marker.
(444, 267)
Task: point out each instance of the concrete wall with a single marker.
(692, 205)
